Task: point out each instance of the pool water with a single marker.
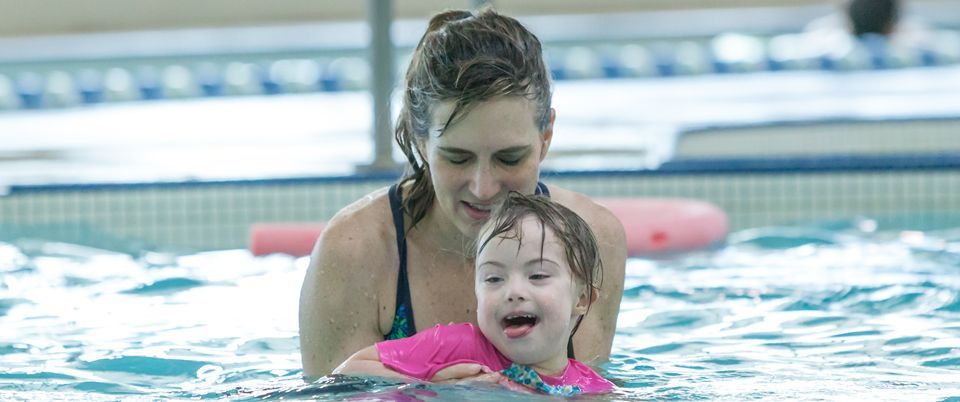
(845, 310)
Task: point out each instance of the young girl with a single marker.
(534, 282)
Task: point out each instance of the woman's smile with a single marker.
(479, 212)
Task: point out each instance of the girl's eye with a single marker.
(539, 276)
(493, 279)
(458, 161)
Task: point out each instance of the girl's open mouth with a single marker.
(515, 326)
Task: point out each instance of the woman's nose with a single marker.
(484, 185)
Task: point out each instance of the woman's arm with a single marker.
(594, 338)
(339, 299)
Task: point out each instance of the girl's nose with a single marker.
(516, 292)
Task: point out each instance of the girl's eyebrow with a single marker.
(537, 261)
(540, 260)
(494, 263)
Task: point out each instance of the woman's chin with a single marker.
(469, 228)
(470, 234)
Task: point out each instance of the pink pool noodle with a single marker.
(296, 239)
(663, 225)
(652, 225)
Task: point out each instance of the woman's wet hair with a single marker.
(579, 244)
(465, 58)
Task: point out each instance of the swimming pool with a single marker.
(844, 309)
(857, 297)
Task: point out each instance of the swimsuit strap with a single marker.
(542, 189)
(525, 376)
(403, 325)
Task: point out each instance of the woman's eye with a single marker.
(511, 161)
(458, 161)
(493, 279)
(539, 276)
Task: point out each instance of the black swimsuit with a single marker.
(403, 325)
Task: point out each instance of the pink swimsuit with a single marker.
(424, 354)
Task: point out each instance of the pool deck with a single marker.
(610, 124)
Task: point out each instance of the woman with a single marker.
(475, 124)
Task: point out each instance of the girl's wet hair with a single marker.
(465, 57)
(579, 243)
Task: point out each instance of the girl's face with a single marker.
(528, 301)
(493, 149)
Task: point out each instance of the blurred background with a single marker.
(101, 98)
(88, 66)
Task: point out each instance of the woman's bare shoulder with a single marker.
(362, 230)
(601, 220)
(343, 284)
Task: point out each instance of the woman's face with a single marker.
(475, 162)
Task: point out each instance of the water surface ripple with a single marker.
(799, 313)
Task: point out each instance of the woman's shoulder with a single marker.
(364, 227)
(601, 220)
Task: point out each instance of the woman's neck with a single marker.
(443, 233)
(438, 231)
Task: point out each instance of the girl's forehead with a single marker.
(528, 235)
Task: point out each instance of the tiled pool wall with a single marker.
(192, 216)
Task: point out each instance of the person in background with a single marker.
(861, 19)
(877, 17)
(476, 122)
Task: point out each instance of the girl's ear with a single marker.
(588, 296)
